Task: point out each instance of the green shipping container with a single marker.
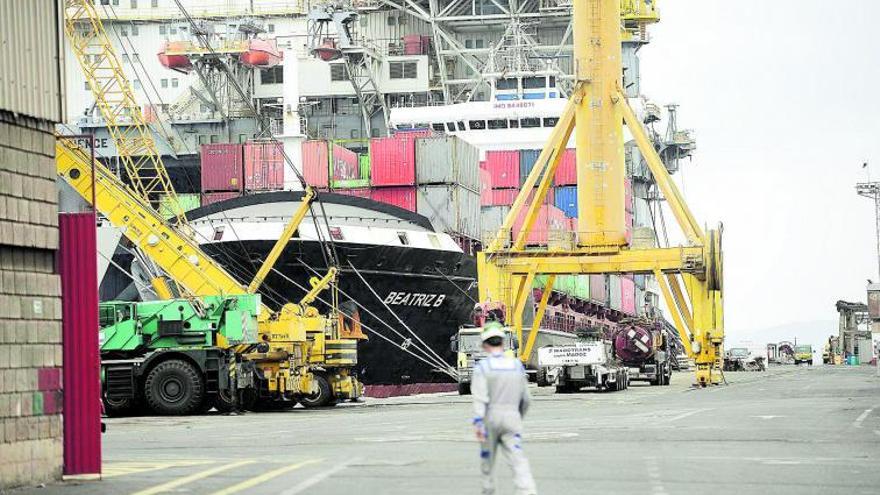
(350, 183)
(364, 164)
(572, 285)
(187, 202)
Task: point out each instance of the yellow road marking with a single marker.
(123, 468)
(264, 477)
(189, 479)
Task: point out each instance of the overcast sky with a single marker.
(783, 97)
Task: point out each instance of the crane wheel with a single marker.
(324, 397)
(174, 388)
(119, 407)
(464, 389)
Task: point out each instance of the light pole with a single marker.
(872, 190)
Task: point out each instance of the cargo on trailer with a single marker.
(451, 208)
(222, 167)
(447, 160)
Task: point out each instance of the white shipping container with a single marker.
(450, 208)
(614, 292)
(447, 160)
(491, 218)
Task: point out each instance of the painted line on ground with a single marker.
(257, 480)
(314, 480)
(124, 468)
(687, 414)
(862, 417)
(164, 487)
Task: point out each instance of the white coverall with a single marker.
(501, 399)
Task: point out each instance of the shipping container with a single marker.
(504, 168)
(614, 292)
(582, 287)
(451, 208)
(485, 188)
(364, 164)
(627, 295)
(363, 192)
(506, 197)
(447, 160)
(402, 196)
(263, 165)
(527, 160)
(566, 200)
(566, 171)
(216, 197)
(491, 218)
(187, 202)
(599, 289)
(392, 160)
(344, 164)
(316, 163)
(222, 167)
(550, 219)
(414, 44)
(628, 194)
(640, 300)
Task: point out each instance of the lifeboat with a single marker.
(176, 62)
(327, 51)
(261, 53)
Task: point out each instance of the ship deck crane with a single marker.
(690, 276)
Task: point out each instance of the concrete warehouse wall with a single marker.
(30, 305)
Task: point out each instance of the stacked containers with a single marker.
(599, 289)
(216, 197)
(566, 171)
(187, 202)
(400, 196)
(263, 165)
(448, 178)
(527, 160)
(485, 187)
(503, 166)
(550, 218)
(346, 168)
(222, 168)
(316, 163)
(393, 170)
(491, 218)
(627, 295)
(615, 292)
(566, 200)
(360, 192)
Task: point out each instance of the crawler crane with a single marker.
(690, 276)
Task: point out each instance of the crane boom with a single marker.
(116, 101)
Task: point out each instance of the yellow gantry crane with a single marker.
(690, 276)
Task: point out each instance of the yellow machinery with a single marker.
(690, 276)
(294, 343)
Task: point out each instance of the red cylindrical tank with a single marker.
(634, 345)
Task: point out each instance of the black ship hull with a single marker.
(429, 290)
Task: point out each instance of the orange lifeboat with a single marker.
(175, 62)
(262, 54)
(328, 50)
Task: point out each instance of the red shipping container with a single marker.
(627, 295)
(216, 197)
(504, 168)
(485, 188)
(222, 167)
(345, 164)
(360, 192)
(550, 219)
(393, 160)
(506, 197)
(566, 171)
(404, 197)
(263, 165)
(316, 163)
(77, 265)
(412, 44)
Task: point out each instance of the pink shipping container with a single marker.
(263, 165)
(412, 44)
(81, 400)
(598, 288)
(404, 197)
(627, 295)
(550, 218)
(485, 188)
(222, 167)
(360, 192)
(393, 160)
(506, 197)
(316, 163)
(345, 164)
(504, 168)
(216, 197)
(566, 171)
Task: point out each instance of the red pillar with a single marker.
(77, 262)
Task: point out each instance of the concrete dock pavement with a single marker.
(789, 430)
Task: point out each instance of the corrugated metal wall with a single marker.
(30, 58)
(77, 265)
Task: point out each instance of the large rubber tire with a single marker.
(464, 389)
(541, 377)
(174, 388)
(223, 402)
(324, 398)
(115, 408)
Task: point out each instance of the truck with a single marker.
(803, 353)
(571, 367)
(741, 359)
(468, 348)
(644, 348)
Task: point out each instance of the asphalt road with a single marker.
(789, 430)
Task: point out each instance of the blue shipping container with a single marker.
(567, 200)
(527, 159)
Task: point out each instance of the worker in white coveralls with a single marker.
(501, 398)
